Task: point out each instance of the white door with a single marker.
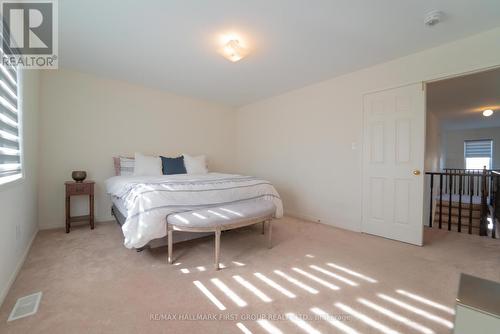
(393, 162)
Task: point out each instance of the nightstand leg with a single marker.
(67, 213)
(91, 207)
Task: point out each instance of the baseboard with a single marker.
(50, 227)
(321, 221)
(303, 217)
(18, 268)
(61, 225)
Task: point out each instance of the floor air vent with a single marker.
(25, 306)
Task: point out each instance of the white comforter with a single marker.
(149, 199)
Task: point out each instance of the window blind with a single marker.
(478, 148)
(10, 148)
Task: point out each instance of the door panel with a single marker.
(393, 148)
(403, 141)
(377, 186)
(402, 198)
(377, 142)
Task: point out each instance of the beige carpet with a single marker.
(92, 284)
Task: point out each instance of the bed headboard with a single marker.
(123, 165)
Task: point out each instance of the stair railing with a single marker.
(464, 185)
(477, 186)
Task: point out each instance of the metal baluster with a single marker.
(446, 183)
(450, 201)
(432, 200)
(440, 200)
(465, 183)
(478, 185)
(470, 203)
(483, 221)
(460, 181)
(490, 187)
(453, 179)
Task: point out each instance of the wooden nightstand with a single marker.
(75, 189)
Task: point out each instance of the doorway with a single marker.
(463, 152)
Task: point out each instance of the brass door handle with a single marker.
(416, 172)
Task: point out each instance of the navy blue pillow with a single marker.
(173, 165)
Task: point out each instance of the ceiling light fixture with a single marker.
(433, 18)
(233, 50)
(487, 113)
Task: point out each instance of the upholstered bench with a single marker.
(221, 218)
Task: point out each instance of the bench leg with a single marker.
(170, 242)
(217, 249)
(263, 227)
(270, 232)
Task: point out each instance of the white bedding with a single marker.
(149, 199)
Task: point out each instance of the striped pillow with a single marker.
(124, 166)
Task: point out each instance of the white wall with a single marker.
(433, 140)
(453, 145)
(302, 140)
(432, 157)
(86, 120)
(18, 204)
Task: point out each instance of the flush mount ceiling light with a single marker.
(433, 18)
(233, 48)
(234, 51)
(487, 113)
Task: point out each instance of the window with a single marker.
(478, 153)
(10, 142)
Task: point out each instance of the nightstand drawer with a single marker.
(79, 189)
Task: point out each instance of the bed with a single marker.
(141, 204)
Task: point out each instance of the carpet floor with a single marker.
(316, 278)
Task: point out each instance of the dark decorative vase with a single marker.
(79, 175)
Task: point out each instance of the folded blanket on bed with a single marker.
(149, 199)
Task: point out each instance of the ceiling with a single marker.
(172, 44)
(459, 102)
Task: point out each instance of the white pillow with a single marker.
(147, 165)
(195, 165)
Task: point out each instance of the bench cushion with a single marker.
(224, 216)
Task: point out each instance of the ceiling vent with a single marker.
(433, 18)
(25, 306)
